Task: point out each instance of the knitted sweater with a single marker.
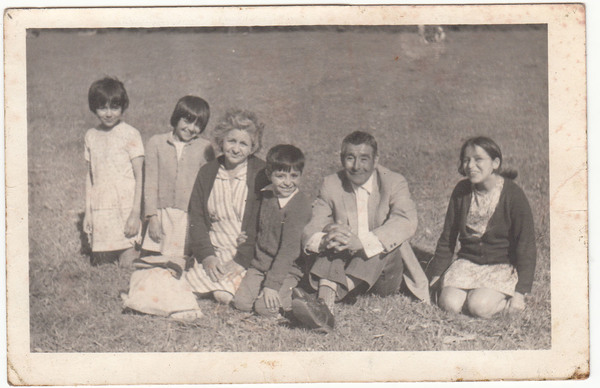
(168, 182)
(278, 243)
(509, 237)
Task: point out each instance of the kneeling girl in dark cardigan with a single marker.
(491, 218)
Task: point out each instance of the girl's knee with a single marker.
(452, 300)
(483, 303)
(223, 297)
(127, 257)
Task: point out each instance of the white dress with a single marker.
(226, 205)
(113, 184)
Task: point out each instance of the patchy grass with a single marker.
(310, 88)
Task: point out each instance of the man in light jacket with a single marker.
(359, 232)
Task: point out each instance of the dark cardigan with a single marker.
(198, 241)
(509, 237)
(278, 245)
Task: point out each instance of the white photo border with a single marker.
(569, 355)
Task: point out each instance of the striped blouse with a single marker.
(226, 205)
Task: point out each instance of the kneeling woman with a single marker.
(491, 218)
(224, 208)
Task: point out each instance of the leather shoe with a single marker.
(312, 312)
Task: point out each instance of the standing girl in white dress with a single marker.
(115, 155)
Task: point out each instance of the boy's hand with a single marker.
(271, 299)
(154, 229)
(132, 225)
(516, 304)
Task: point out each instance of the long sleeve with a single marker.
(151, 178)
(256, 172)
(523, 240)
(447, 241)
(290, 245)
(402, 220)
(199, 245)
(322, 215)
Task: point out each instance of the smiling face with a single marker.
(237, 146)
(285, 182)
(109, 115)
(186, 130)
(478, 166)
(359, 161)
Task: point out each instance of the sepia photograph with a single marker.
(296, 194)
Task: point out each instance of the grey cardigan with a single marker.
(168, 182)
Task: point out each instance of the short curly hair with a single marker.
(242, 120)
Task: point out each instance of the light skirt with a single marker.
(467, 275)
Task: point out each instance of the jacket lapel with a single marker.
(349, 199)
(374, 199)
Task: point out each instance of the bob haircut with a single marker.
(107, 91)
(492, 149)
(193, 109)
(242, 120)
(357, 138)
(285, 157)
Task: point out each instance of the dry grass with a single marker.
(310, 88)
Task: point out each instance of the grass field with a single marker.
(310, 87)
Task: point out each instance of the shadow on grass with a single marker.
(86, 248)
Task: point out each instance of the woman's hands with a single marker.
(210, 264)
(154, 229)
(217, 271)
(516, 304)
(271, 299)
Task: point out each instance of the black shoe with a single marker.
(312, 312)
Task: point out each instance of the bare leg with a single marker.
(223, 297)
(485, 302)
(127, 257)
(452, 299)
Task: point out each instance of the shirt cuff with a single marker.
(371, 244)
(312, 246)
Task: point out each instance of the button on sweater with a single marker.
(278, 244)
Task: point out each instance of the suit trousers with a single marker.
(382, 273)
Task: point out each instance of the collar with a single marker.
(282, 201)
(240, 172)
(367, 186)
(172, 139)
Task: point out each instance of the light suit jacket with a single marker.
(392, 213)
